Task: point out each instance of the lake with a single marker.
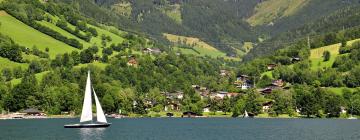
(185, 129)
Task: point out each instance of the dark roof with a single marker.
(31, 110)
(189, 113)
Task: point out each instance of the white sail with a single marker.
(86, 114)
(246, 115)
(99, 112)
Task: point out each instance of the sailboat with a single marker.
(86, 120)
(246, 115)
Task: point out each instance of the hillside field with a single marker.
(201, 47)
(269, 10)
(6, 63)
(27, 36)
(316, 55)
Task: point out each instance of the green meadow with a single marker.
(29, 37)
(64, 33)
(316, 55)
(6, 63)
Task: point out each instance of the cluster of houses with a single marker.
(30, 113)
(132, 61)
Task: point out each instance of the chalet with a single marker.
(233, 94)
(132, 62)
(243, 82)
(224, 73)
(204, 95)
(295, 59)
(271, 66)
(267, 106)
(219, 95)
(173, 106)
(195, 87)
(278, 83)
(174, 96)
(32, 112)
(206, 109)
(266, 90)
(152, 50)
(343, 110)
(243, 78)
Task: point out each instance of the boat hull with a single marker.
(94, 125)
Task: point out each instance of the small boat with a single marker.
(86, 120)
(246, 115)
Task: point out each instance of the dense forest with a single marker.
(342, 21)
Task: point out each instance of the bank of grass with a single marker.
(268, 73)
(39, 77)
(29, 37)
(340, 90)
(97, 64)
(64, 33)
(29, 57)
(200, 48)
(316, 55)
(217, 114)
(116, 39)
(6, 63)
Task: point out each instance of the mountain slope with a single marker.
(28, 36)
(268, 11)
(222, 24)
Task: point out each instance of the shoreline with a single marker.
(176, 117)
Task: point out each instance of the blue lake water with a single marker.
(185, 129)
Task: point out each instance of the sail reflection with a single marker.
(92, 133)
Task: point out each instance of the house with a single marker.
(243, 82)
(206, 109)
(172, 105)
(266, 90)
(271, 66)
(195, 87)
(295, 59)
(278, 83)
(152, 50)
(267, 106)
(189, 114)
(224, 73)
(32, 112)
(343, 110)
(233, 94)
(174, 96)
(219, 95)
(132, 62)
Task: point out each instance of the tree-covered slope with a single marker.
(223, 24)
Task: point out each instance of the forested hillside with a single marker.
(345, 22)
(46, 49)
(226, 25)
